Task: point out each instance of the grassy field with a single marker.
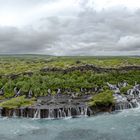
(25, 63)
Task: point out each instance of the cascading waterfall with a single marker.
(69, 112)
(85, 111)
(131, 105)
(78, 111)
(51, 114)
(122, 106)
(63, 113)
(21, 111)
(37, 114)
(130, 99)
(125, 104)
(90, 111)
(82, 111)
(14, 114)
(59, 113)
(138, 104)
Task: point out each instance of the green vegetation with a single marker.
(39, 82)
(125, 89)
(17, 102)
(113, 62)
(31, 63)
(104, 99)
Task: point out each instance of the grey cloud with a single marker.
(103, 31)
(13, 40)
(129, 43)
(107, 32)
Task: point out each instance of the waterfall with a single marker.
(21, 111)
(27, 114)
(131, 105)
(37, 114)
(138, 104)
(63, 113)
(90, 111)
(126, 105)
(51, 114)
(77, 111)
(82, 111)
(14, 114)
(122, 106)
(69, 112)
(59, 113)
(85, 110)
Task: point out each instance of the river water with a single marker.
(123, 125)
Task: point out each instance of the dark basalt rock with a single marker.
(90, 67)
(52, 107)
(86, 67)
(13, 76)
(28, 73)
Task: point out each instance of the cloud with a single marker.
(106, 32)
(14, 40)
(111, 31)
(129, 43)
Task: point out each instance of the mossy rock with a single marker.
(104, 98)
(17, 102)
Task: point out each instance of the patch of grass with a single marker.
(104, 98)
(125, 89)
(2, 97)
(17, 102)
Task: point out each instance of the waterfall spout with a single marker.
(51, 114)
(14, 114)
(69, 112)
(37, 114)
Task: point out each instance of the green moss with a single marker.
(17, 102)
(2, 97)
(104, 98)
(9, 94)
(125, 89)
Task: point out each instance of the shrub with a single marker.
(104, 98)
(125, 89)
(17, 102)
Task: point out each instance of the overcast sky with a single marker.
(70, 27)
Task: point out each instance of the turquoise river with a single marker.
(123, 125)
